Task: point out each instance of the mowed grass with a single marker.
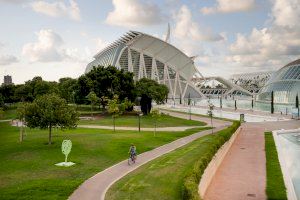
(163, 178)
(275, 185)
(9, 114)
(146, 121)
(27, 169)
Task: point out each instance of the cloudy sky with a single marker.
(58, 38)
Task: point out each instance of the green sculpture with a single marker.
(66, 147)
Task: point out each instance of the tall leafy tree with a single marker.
(48, 111)
(150, 90)
(66, 87)
(106, 82)
(7, 93)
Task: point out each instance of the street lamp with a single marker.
(190, 104)
(140, 114)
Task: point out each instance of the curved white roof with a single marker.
(159, 49)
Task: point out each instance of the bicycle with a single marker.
(131, 159)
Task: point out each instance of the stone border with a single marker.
(215, 163)
(291, 194)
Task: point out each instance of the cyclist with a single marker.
(132, 152)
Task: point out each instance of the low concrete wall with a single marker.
(291, 194)
(214, 164)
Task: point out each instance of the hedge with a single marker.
(191, 181)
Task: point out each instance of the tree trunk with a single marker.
(21, 133)
(155, 128)
(50, 134)
(114, 123)
(212, 127)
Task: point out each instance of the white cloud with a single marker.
(7, 59)
(274, 46)
(134, 13)
(286, 13)
(189, 35)
(186, 28)
(57, 9)
(46, 49)
(50, 48)
(229, 6)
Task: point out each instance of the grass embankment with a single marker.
(146, 121)
(275, 185)
(27, 170)
(175, 175)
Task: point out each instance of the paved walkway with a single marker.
(242, 174)
(179, 128)
(96, 187)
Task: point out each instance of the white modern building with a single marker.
(253, 82)
(150, 57)
(285, 83)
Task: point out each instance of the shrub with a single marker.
(192, 179)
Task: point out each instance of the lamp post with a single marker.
(140, 114)
(190, 104)
(138, 99)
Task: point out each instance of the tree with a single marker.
(66, 87)
(272, 102)
(48, 111)
(115, 109)
(210, 114)
(1, 113)
(92, 97)
(7, 93)
(107, 82)
(21, 118)
(150, 90)
(155, 114)
(297, 104)
(297, 101)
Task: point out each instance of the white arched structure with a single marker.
(228, 88)
(150, 57)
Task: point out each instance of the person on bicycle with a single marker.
(132, 152)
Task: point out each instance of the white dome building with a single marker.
(149, 57)
(285, 83)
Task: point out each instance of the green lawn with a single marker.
(27, 170)
(146, 121)
(275, 185)
(9, 114)
(169, 176)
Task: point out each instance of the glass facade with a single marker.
(285, 83)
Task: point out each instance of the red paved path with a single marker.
(242, 174)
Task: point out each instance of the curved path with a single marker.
(96, 186)
(126, 128)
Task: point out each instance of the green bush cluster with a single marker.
(191, 181)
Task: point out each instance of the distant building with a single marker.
(285, 83)
(7, 80)
(252, 82)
